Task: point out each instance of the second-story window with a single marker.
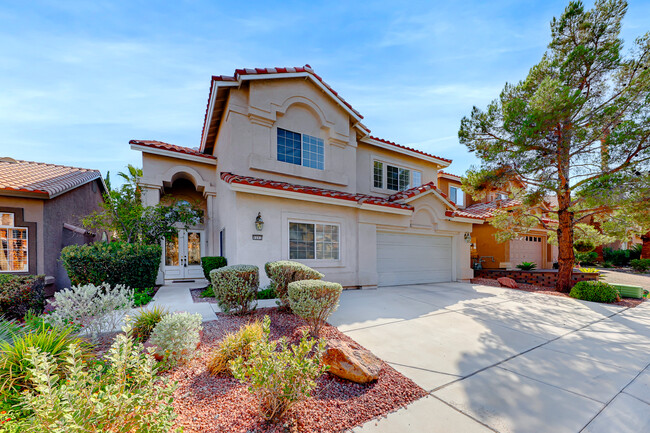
(456, 195)
(300, 149)
(394, 178)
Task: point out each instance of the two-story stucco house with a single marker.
(280, 146)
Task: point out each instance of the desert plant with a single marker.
(133, 265)
(20, 294)
(176, 337)
(283, 272)
(588, 259)
(314, 301)
(145, 320)
(280, 378)
(595, 291)
(526, 266)
(234, 345)
(640, 265)
(9, 328)
(235, 287)
(93, 309)
(125, 396)
(214, 262)
(588, 270)
(14, 367)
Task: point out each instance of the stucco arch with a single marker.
(304, 102)
(185, 172)
(427, 213)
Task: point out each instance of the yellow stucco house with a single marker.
(287, 170)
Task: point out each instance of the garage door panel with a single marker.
(413, 259)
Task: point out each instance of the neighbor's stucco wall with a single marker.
(33, 213)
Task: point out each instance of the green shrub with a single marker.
(527, 266)
(607, 265)
(283, 272)
(145, 320)
(621, 257)
(133, 265)
(640, 265)
(595, 291)
(235, 287)
(233, 346)
(268, 293)
(588, 259)
(14, 365)
(124, 396)
(584, 246)
(210, 263)
(142, 297)
(314, 301)
(280, 378)
(20, 294)
(176, 337)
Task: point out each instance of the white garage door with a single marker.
(526, 249)
(412, 259)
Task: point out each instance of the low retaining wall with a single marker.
(545, 277)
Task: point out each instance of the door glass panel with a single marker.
(194, 248)
(171, 251)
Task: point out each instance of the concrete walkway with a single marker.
(177, 297)
(502, 360)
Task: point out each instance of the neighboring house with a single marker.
(532, 246)
(41, 206)
(287, 170)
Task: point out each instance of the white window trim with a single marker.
(27, 240)
(315, 262)
(460, 191)
(384, 176)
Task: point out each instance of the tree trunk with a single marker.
(566, 257)
(599, 248)
(645, 249)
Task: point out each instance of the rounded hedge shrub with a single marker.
(209, 263)
(595, 291)
(314, 301)
(20, 294)
(235, 287)
(283, 272)
(133, 265)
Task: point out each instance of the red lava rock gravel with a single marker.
(206, 403)
(624, 302)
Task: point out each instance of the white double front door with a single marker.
(183, 255)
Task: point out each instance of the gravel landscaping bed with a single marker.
(206, 403)
(196, 296)
(624, 302)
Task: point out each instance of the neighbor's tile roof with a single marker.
(341, 195)
(444, 173)
(171, 147)
(49, 180)
(487, 210)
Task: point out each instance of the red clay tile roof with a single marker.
(172, 147)
(341, 195)
(487, 210)
(48, 180)
(392, 143)
(462, 214)
(440, 172)
(408, 193)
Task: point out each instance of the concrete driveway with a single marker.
(503, 360)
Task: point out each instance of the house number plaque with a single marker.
(257, 237)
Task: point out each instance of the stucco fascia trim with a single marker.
(176, 155)
(315, 198)
(465, 220)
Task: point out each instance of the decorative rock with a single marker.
(355, 365)
(507, 282)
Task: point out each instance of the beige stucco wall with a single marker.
(33, 212)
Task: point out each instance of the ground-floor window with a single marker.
(13, 245)
(313, 241)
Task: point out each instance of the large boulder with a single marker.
(355, 365)
(507, 282)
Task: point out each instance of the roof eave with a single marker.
(172, 154)
(439, 162)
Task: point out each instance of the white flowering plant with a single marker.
(176, 337)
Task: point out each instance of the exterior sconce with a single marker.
(259, 222)
(468, 238)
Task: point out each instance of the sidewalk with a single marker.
(177, 297)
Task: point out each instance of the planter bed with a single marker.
(206, 403)
(624, 302)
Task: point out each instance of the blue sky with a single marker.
(79, 79)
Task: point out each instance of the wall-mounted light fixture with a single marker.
(468, 237)
(259, 222)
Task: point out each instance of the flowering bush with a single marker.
(94, 308)
(314, 301)
(284, 272)
(176, 336)
(20, 294)
(125, 395)
(235, 287)
(280, 379)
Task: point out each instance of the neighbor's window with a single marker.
(300, 149)
(394, 178)
(313, 241)
(456, 195)
(13, 245)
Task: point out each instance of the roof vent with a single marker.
(7, 159)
